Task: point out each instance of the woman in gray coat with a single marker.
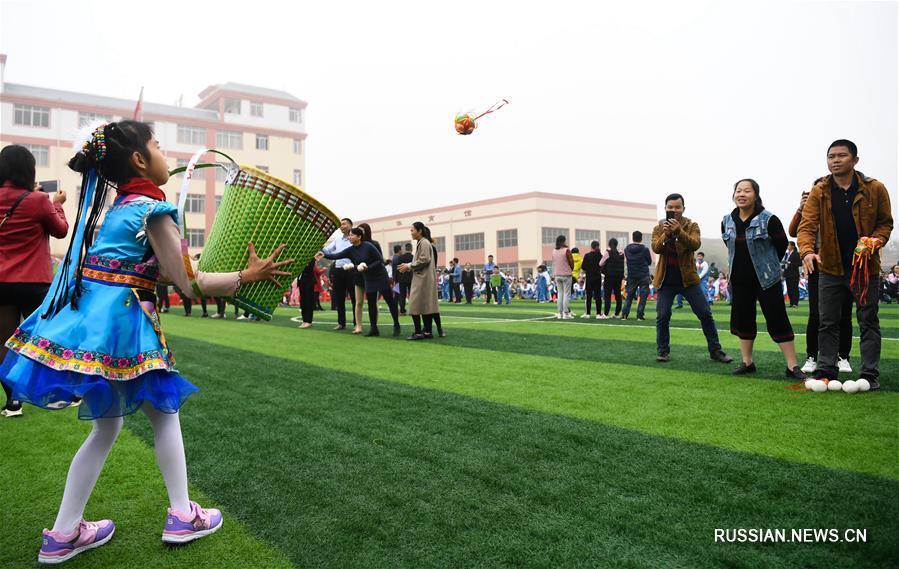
(423, 294)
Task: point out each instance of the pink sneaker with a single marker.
(183, 527)
(58, 547)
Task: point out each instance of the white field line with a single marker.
(552, 320)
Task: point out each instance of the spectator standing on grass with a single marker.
(592, 279)
(756, 241)
(674, 239)
(468, 282)
(28, 218)
(423, 297)
(638, 260)
(562, 265)
(842, 208)
(612, 264)
(791, 263)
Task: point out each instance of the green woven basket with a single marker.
(266, 211)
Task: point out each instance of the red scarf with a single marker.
(142, 187)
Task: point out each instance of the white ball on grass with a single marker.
(835, 385)
(863, 384)
(850, 386)
(809, 383)
(819, 386)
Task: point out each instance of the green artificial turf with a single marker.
(517, 441)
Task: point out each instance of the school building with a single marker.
(519, 230)
(256, 126)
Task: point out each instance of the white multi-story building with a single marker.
(259, 127)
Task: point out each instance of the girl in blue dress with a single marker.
(97, 334)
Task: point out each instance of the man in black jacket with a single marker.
(593, 278)
(403, 279)
(791, 263)
(638, 261)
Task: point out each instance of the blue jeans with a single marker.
(704, 285)
(502, 292)
(635, 286)
(701, 309)
(541, 293)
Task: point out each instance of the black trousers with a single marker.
(456, 289)
(491, 292)
(162, 297)
(307, 299)
(220, 306)
(186, 302)
(26, 298)
(593, 292)
(793, 289)
(613, 285)
(372, 298)
(405, 288)
(342, 285)
(814, 322)
(469, 292)
(742, 310)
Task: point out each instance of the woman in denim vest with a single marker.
(756, 241)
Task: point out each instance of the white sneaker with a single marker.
(844, 366)
(598, 316)
(216, 315)
(585, 316)
(603, 317)
(810, 365)
(8, 413)
(242, 317)
(558, 316)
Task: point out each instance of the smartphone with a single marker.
(49, 186)
(669, 215)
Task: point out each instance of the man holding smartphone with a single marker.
(675, 239)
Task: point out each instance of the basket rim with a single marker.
(296, 190)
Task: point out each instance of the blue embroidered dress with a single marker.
(110, 351)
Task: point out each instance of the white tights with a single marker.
(89, 460)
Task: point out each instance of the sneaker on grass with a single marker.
(57, 547)
(182, 527)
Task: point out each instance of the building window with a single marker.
(232, 139)
(196, 237)
(509, 269)
(195, 203)
(440, 244)
(507, 238)
(41, 154)
(85, 119)
(31, 115)
(297, 177)
(296, 115)
(389, 252)
(263, 168)
(297, 146)
(469, 241)
(261, 142)
(191, 135)
(255, 109)
(551, 233)
(583, 237)
(621, 236)
(232, 106)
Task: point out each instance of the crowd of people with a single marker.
(63, 329)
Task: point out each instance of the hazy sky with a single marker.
(618, 101)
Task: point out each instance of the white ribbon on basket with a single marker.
(233, 170)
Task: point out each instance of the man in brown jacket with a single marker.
(675, 239)
(843, 207)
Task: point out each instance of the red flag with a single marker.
(138, 114)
